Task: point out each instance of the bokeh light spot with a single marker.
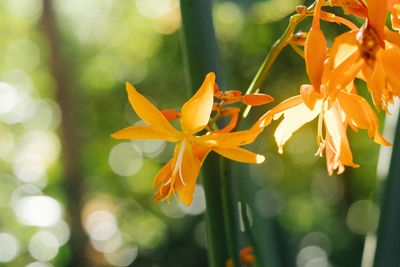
(125, 159)
(38, 210)
(43, 246)
(9, 247)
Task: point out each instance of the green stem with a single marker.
(230, 209)
(201, 56)
(388, 243)
(271, 57)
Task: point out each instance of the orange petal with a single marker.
(391, 63)
(196, 112)
(265, 119)
(395, 16)
(239, 154)
(309, 95)
(294, 118)
(170, 114)
(257, 99)
(164, 174)
(377, 16)
(226, 140)
(335, 128)
(146, 132)
(190, 171)
(361, 114)
(148, 112)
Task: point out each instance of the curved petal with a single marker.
(276, 111)
(196, 112)
(190, 168)
(340, 144)
(377, 16)
(309, 96)
(361, 114)
(239, 154)
(226, 140)
(145, 132)
(294, 118)
(391, 63)
(148, 112)
(164, 174)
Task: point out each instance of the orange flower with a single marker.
(372, 54)
(335, 109)
(181, 172)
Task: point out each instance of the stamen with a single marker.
(178, 165)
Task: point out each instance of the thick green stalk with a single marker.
(388, 245)
(230, 209)
(201, 57)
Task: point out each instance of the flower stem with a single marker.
(201, 56)
(272, 55)
(230, 210)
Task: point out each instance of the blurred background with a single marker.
(72, 196)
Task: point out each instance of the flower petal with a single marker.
(165, 173)
(226, 140)
(294, 118)
(148, 112)
(309, 95)
(190, 168)
(276, 112)
(361, 114)
(377, 16)
(239, 154)
(145, 132)
(196, 112)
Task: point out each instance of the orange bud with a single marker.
(234, 113)
(170, 114)
(246, 256)
(216, 88)
(257, 99)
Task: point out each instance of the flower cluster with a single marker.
(370, 53)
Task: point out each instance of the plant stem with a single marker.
(201, 56)
(388, 243)
(230, 209)
(271, 57)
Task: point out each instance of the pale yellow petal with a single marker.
(148, 112)
(294, 118)
(337, 131)
(196, 112)
(145, 132)
(239, 154)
